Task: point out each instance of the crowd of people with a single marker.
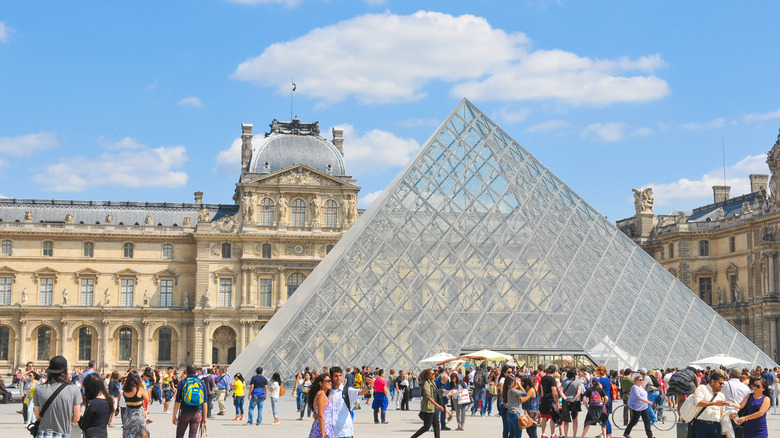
(734, 402)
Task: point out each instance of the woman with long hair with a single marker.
(135, 394)
(276, 384)
(113, 391)
(428, 404)
(238, 387)
(300, 399)
(306, 388)
(323, 411)
(100, 408)
(757, 403)
(530, 404)
(460, 408)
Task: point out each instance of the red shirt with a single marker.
(380, 385)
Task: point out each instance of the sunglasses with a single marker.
(326, 380)
(758, 386)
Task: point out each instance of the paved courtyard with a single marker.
(401, 424)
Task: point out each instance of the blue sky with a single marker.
(143, 100)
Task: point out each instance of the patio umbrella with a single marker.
(481, 355)
(720, 360)
(438, 357)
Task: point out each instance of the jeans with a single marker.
(507, 429)
(376, 415)
(188, 419)
(707, 430)
(514, 429)
(429, 419)
(300, 400)
(211, 402)
(274, 402)
(635, 416)
(652, 396)
(479, 395)
(239, 403)
(392, 391)
(256, 401)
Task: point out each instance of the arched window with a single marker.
(293, 281)
(225, 250)
(266, 250)
(85, 343)
(299, 213)
(5, 342)
(128, 250)
(44, 343)
(125, 343)
(266, 212)
(164, 344)
(331, 214)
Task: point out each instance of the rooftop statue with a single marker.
(643, 200)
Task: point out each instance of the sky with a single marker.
(144, 100)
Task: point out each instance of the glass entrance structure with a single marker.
(475, 244)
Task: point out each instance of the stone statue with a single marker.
(203, 214)
(315, 211)
(719, 214)
(246, 154)
(107, 297)
(148, 220)
(206, 299)
(680, 218)
(345, 212)
(736, 293)
(28, 216)
(69, 218)
(245, 207)
(65, 296)
(353, 211)
(146, 297)
(109, 219)
(186, 299)
(746, 208)
(25, 295)
(282, 210)
(720, 296)
(187, 221)
(643, 200)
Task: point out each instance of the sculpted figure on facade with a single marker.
(69, 218)
(28, 216)
(719, 214)
(186, 300)
(148, 220)
(106, 297)
(736, 293)
(315, 211)
(283, 211)
(203, 214)
(680, 218)
(720, 296)
(187, 221)
(643, 200)
(746, 208)
(345, 207)
(65, 296)
(147, 298)
(353, 210)
(773, 160)
(207, 299)
(25, 295)
(109, 219)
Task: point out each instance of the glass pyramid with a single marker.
(476, 245)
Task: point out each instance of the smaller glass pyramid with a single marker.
(476, 245)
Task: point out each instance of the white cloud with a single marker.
(25, 145)
(382, 58)
(288, 3)
(375, 151)
(364, 201)
(229, 160)
(757, 117)
(511, 117)
(713, 124)
(548, 126)
(191, 101)
(614, 131)
(5, 32)
(413, 123)
(124, 164)
(686, 193)
(642, 132)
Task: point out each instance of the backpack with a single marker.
(681, 382)
(479, 379)
(193, 393)
(655, 382)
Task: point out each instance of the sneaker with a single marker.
(445, 428)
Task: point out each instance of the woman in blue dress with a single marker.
(757, 403)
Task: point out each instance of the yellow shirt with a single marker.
(358, 380)
(239, 388)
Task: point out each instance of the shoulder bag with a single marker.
(692, 423)
(33, 428)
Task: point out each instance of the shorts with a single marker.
(167, 395)
(545, 407)
(596, 415)
(569, 411)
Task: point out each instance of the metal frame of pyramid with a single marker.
(475, 245)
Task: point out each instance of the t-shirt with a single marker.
(349, 379)
(184, 406)
(769, 377)
(239, 391)
(570, 387)
(513, 404)
(380, 385)
(626, 386)
(274, 389)
(548, 382)
(358, 380)
(58, 416)
(259, 383)
(95, 418)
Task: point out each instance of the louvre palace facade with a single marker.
(726, 252)
(138, 283)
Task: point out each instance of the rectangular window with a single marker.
(128, 250)
(704, 248)
(5, 342)
(89, 249)
(164, 346)
(265, 292)
(7, 246)
(225, 250)
(705, 289)
(48, 249)
(671, 250)
(733, 244)
(225, 291)
(5, 291)
(128, 287)
(168, 251)
(47, 290)
(87, 291)
(166, 293)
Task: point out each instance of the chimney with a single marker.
(199, 198)
(721, 193)
(758, 182)
(338, 139)
(246, 145)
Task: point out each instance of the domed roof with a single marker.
(284, 147)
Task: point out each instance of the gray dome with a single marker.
(280, 151)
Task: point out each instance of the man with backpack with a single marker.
(190, 408)
(480, 390)
(342, 397)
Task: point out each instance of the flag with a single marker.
(295, 88)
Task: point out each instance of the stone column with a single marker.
(183, 345)
(206, 355)
(245, 284)
(281, 295)
(105, 337)
(143, 355)
(24, 345)
(241, 337)
(773, 336)
(771, 272)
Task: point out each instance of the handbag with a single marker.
(203, 431)
(692, 423)
(463, 397)
(282, 391)
(33, 428)
(525, 421)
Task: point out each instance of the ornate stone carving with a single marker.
(226, 224)
(25, 295)
(300, 177)
(107, 297)
(109, 219)
(28, 216)
(203, 214)
(680, 218)
(773, 160)
(69, 218)
(720, 296)
(187, 221)
(206, 301)
(314, 205)
(186, 299)
(736, 293)
(147, 298)
(719, 214)
(299, 249)
(215, 249)
(769, 233)
(283, 207)
(148, 220)
(746, 208)
(294, 127)
(643, 200)
(65, 297)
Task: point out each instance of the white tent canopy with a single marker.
(720, 360)
(438, 357)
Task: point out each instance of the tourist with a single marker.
(113, 390)
(712, 400)
(167, 387)
(390, 384)
(775, 394)
(257, 391)
(734, 391)
(222, 390)
(513, 397)
(238, 396)
(276, 384)
(626, 385)
(596, 401)
(480, 384)
(530, 402)
(428, 404)
(32, 383)
(135, 395)
(506, 428)
(401, 386)
(65, 406)
(190, 409)
(380, 397)
(323, 410)
(306, 388)
(459, 387)
(100, 407)
(25, 390)
(548, 391)
(408, 384)
(571, 393)
(638, 403)
(757, 404)
(342, 397)
(682, 384)
(298, 391)
(606, 385)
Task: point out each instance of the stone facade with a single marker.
(127, 283)
(726, 253)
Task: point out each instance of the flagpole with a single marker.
(292, 95)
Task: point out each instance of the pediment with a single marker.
(127, 273)
(5, 271)
(46, 271)
(87, 272)
(166, 274)
(300, 175)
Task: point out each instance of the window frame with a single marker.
(292, 287)
(47, 339)
(6, 290)
(124, 293)
(733, 244)
(85, 348)
(167, 248)
(298, 208)
(265, 290)
(7, 248)
(330, 213)
(88, 249)
(86, 298)
(267, 212)
(227, 251)
(704, 248)
(46, 290)
(169, 353)
(48, 248)
(225, 296)
(5, 342)
(703, 293)
(128, 250)
(166, 292)
(266, 250)
(121, 341)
